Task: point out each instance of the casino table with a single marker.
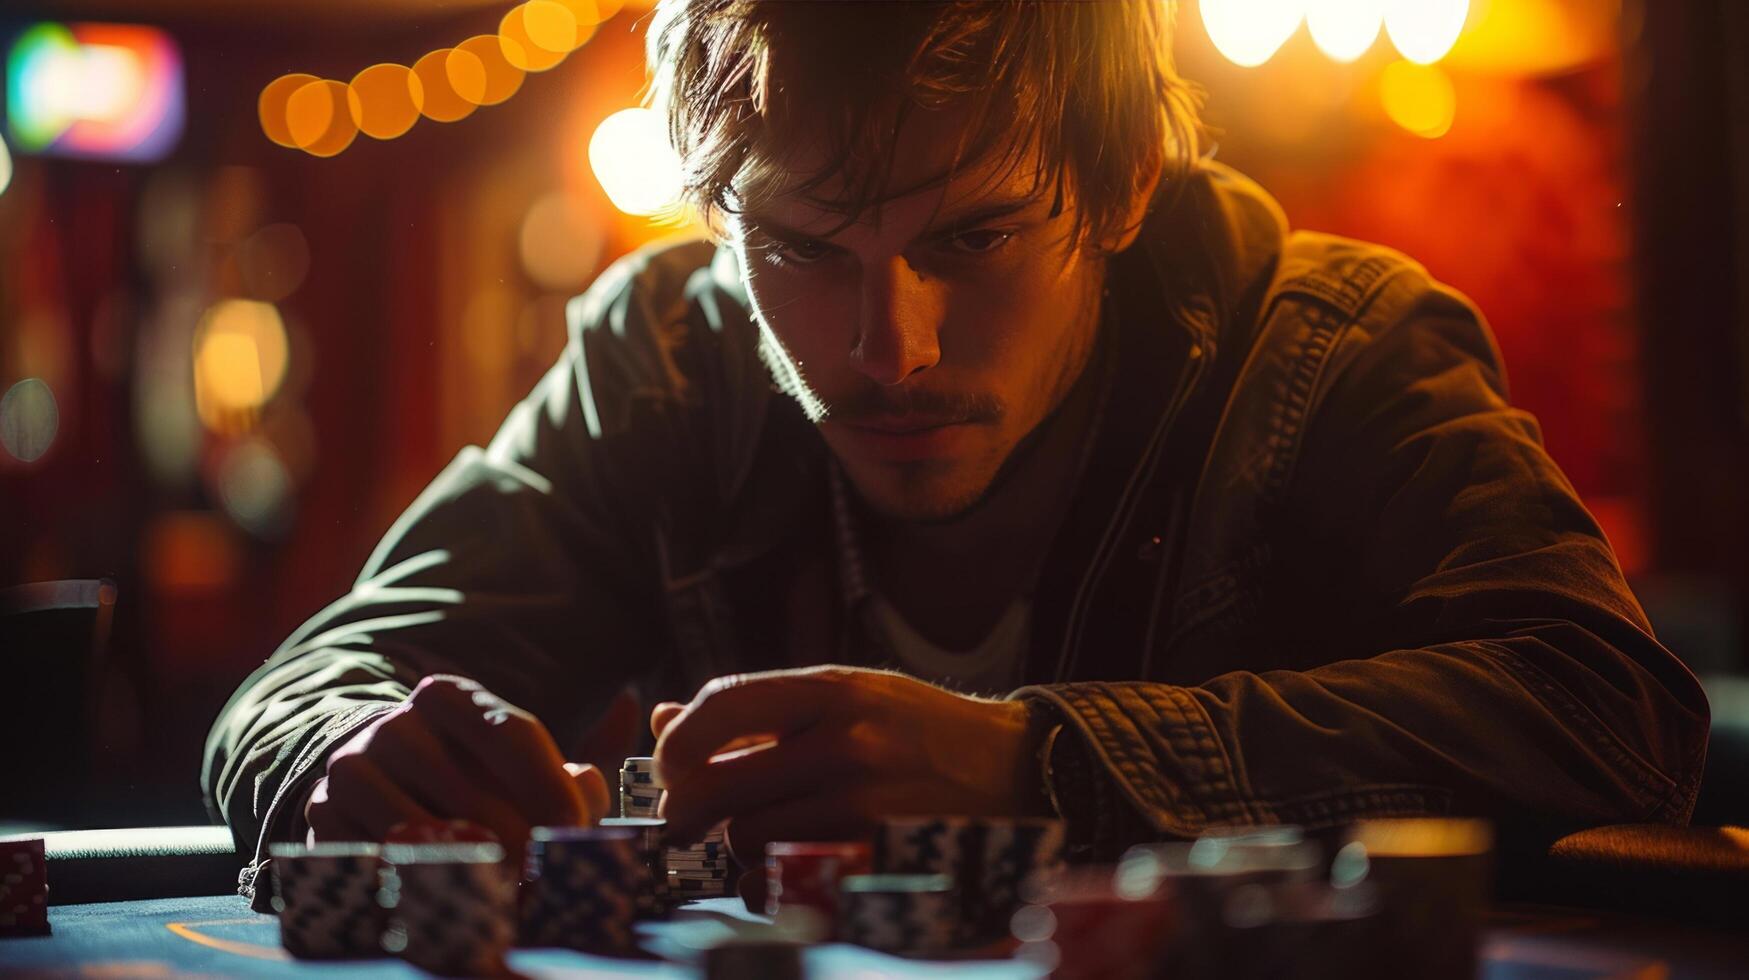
(1639, 902)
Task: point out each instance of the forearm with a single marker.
(1474, 728)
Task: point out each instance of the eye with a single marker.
(980, 241)
(802, 252)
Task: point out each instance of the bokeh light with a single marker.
(29, 420)
(5, 166)
(1249, 32)
(539, 34)
(1535, 37)
(480, 73)
(98, 91)
(1345, 29)
(271, 106)
(1424, 30)
(255, 488)
(442, 102)
(1419, 98)
(635, 163)
(273, 262)
(560, 242)
(319, 118)
(240, 359)
(384, 100)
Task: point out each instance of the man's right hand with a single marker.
(453, 750)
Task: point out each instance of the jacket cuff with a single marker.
(283, 820)
(1156, 766)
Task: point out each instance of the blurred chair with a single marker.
(54, 642)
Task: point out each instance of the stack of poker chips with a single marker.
(698, 871)
(988, 857)
(326, 897)
(581, 888)
(1258, 903)
(24, 888)
(652, 902)
(907, 915)
(1097, 923)
(803, 877)
(451, 907)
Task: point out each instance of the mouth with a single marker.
(904, 439)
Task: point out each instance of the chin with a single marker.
(910, 494)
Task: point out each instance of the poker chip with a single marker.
(805, 876)
(1092, 924)
(582, 886)
(440, 832)
(697, 871)
(652, 902)
(907, 915)
(326, 897)
(989, 858)
(451, 906)
(24, 888)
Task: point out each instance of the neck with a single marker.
(953, 579)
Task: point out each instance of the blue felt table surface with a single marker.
(220, 936)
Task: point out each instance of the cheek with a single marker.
(809, 321)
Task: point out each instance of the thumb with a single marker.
(663, 715)
(593, 785)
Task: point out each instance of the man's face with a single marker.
(935, 333)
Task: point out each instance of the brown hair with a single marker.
(1087, 83)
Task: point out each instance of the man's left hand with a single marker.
(823, 753)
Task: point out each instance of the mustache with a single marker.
(940, 407)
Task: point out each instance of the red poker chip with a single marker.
(440, 832)
(806, 873)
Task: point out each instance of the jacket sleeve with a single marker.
(526, 565)
(1496, 663)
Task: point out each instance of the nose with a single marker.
(898, 323)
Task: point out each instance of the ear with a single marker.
(1136, 210)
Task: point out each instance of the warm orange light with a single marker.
(1249, 32)
(635, 163)
(384, 100)
(589, 13)
(318, 118)
(240, 358)
(1345, 29)
(539, 34)
(1424, 30)
(1534, 37)
(442, 102)
(1419, 98)
(480, 73)
(271, 106)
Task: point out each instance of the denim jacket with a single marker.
(1316, 567)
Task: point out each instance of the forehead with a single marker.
(926, 169)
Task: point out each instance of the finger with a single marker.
(663, 715)
(730, 785)
(752, 887)
(734, 707)
(368, 798)
(828, 817)
(505, 741)
(593, 784)
(404, 746)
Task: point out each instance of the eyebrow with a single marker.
(968, 218)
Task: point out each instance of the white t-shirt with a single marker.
(992, 667)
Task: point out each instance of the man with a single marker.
(1002, 456)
